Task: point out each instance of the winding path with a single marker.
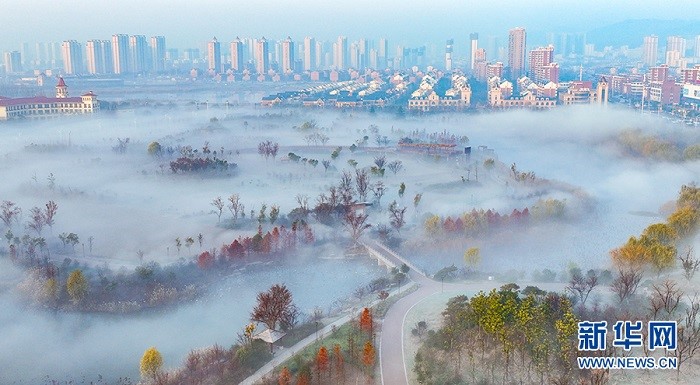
(392, 360)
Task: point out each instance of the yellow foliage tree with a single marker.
(432, 224)
(77, 285)
(472, 257)
(662, 232)
(684, 220)
(151, 363)
(51, 289)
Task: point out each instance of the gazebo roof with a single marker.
(270, 336)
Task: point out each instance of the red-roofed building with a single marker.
(41, 107)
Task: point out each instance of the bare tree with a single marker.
(582, 286)
(235, 206)
(689, 263)
(626, 282)
(362, 183)
(326, 164)
(356, 224)
(396, 215)
(345, 189)
(268, 149)
(218, 203)
(665, 299)
(50, 213)
(36, 220)
(274, 213)
(303, 202)
(90, 240)
(9, 212)
(378, 190)
(395, 166)
(380, 161)
(688, 343)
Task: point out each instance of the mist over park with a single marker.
(176, 215)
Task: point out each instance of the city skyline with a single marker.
(95, 20)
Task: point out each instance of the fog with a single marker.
(127, 202)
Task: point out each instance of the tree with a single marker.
(626, 282)
(235, 207)
(689, 263)
(402, 189)
(285, 377)
(396, 214)
(205, 260)
(322, 361)
(380, 161)
(275, 308)
(362, 183)
(356, 224)
(304, 376)
(684, 220)
(36, 220)
(368, 355)
(76, 285)
(582, 286)
(178, 244)
(261, 214)
(155, 149)
(338, 358)
(366, 321)
(472, 257)
(189, 241)
(151, 363)
(218, 203)
(200, 239)
(274, 213)
(378, 190)
(395, 166)
(9, 212)
(661, 232)
(72, 239)
(416, 200)
(50, 213)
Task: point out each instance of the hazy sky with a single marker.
(190, 23)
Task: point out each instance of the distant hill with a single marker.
(632, 32)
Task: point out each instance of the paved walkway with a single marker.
(284, 354)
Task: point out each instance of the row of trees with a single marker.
(330, 365)
(192, 161)
(278, 240)
(635, 143)
(657, 246)
(10, 214)
(506, 337)
(478, 222)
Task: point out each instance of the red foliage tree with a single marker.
(448, 225)
(459, 225)
(266, 246)
(275, 308)
(309, 237)
(205, 260)
(285, 377)
(275, 239)
(366, 321)
(338, 358)
(322, 361)
(368, 354)
(303, 378)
